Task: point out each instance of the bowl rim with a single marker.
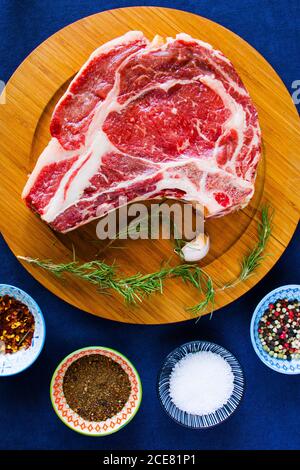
(200, 428)
(40, 314)
(105, 433)
(252, 332)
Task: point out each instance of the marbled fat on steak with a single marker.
(146, 120)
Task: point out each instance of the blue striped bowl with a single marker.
(283, 366)
(196, 421)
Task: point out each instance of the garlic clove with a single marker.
(196, 249)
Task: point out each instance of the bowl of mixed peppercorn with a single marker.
(22, 330)
(275, 329)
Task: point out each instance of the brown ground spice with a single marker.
(96, 387)
(16, 324)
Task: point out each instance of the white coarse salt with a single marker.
(201, 383)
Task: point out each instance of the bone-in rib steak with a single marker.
(144, 120)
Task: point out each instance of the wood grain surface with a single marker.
(24, 131)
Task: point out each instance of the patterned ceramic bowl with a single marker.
(11, 364)
(280, 365)
(196, 421)
(91, 428)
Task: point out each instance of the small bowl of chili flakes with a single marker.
(22, 330)
(275, 329)
(96, 391)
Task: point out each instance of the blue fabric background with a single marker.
(268, 417)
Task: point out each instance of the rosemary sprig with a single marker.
(255, 257)
(178, 242)
(135, 287)
(132, 288)
(209, 298)
(251, 261)
(95, 272)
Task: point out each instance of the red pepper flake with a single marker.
(16, 324)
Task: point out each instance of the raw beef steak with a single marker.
(145, 120)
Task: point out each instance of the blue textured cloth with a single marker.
(268, 417)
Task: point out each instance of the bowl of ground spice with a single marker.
(200, 384)
(275, 329)
(96, 391)
(22, 330)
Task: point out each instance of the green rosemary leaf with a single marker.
(178, 242)
(132, 288)
(256, 256)
(96, 272)
(209, 298)
(252, 261)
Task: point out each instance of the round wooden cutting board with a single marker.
(24, 131)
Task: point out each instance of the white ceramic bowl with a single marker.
(283, 366)
(11, 364)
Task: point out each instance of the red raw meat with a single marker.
(144, 120)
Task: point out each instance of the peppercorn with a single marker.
(279, 329)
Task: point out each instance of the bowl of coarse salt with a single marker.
(200, 384)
